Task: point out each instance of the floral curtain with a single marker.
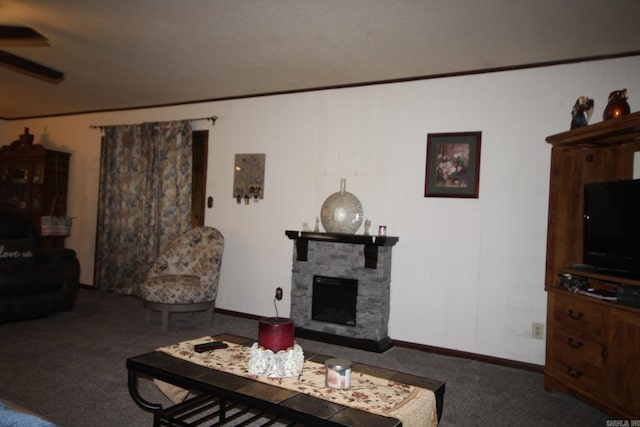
(144, 199)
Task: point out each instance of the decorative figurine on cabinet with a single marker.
(617, 106)
(367, 226)
(581, 112)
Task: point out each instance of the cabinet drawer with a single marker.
(570, 346)
(577, 316)
(578, 374)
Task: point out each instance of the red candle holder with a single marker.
(275, 333)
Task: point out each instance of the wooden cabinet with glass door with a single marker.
(33, 179)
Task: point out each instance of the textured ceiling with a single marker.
(121, 54)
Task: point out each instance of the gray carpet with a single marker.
(70, 368)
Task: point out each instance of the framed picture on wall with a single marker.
(453, 164)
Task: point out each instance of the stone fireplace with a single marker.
(340, 288)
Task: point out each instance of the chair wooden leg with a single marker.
(164, 315)
(209, 314)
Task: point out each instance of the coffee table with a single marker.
(224, 399)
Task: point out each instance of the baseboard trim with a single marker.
(431, 349)
(238, 314)
(472, 356)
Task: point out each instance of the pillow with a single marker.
(17, 252)
(14, 225)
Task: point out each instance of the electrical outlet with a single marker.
(278, 293)
(537, 330)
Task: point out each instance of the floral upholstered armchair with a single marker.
(185, 276)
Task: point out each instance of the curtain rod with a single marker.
(212, 118)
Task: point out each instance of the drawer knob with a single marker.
(572, 344)
(575, 316)
(573, 373)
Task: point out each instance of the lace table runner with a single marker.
(414, 406)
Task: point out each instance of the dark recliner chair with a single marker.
(34, 281)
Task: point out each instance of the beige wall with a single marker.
(467, 273)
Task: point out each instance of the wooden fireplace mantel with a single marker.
(371, 243)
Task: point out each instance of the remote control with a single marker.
(199, 348)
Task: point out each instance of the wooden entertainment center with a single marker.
(593, 345)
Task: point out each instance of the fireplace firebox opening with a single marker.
(334, 300)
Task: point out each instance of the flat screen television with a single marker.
(612, 227)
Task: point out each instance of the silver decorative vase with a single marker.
(341, 212)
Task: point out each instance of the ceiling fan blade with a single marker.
(21, 36)
(31, 68)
